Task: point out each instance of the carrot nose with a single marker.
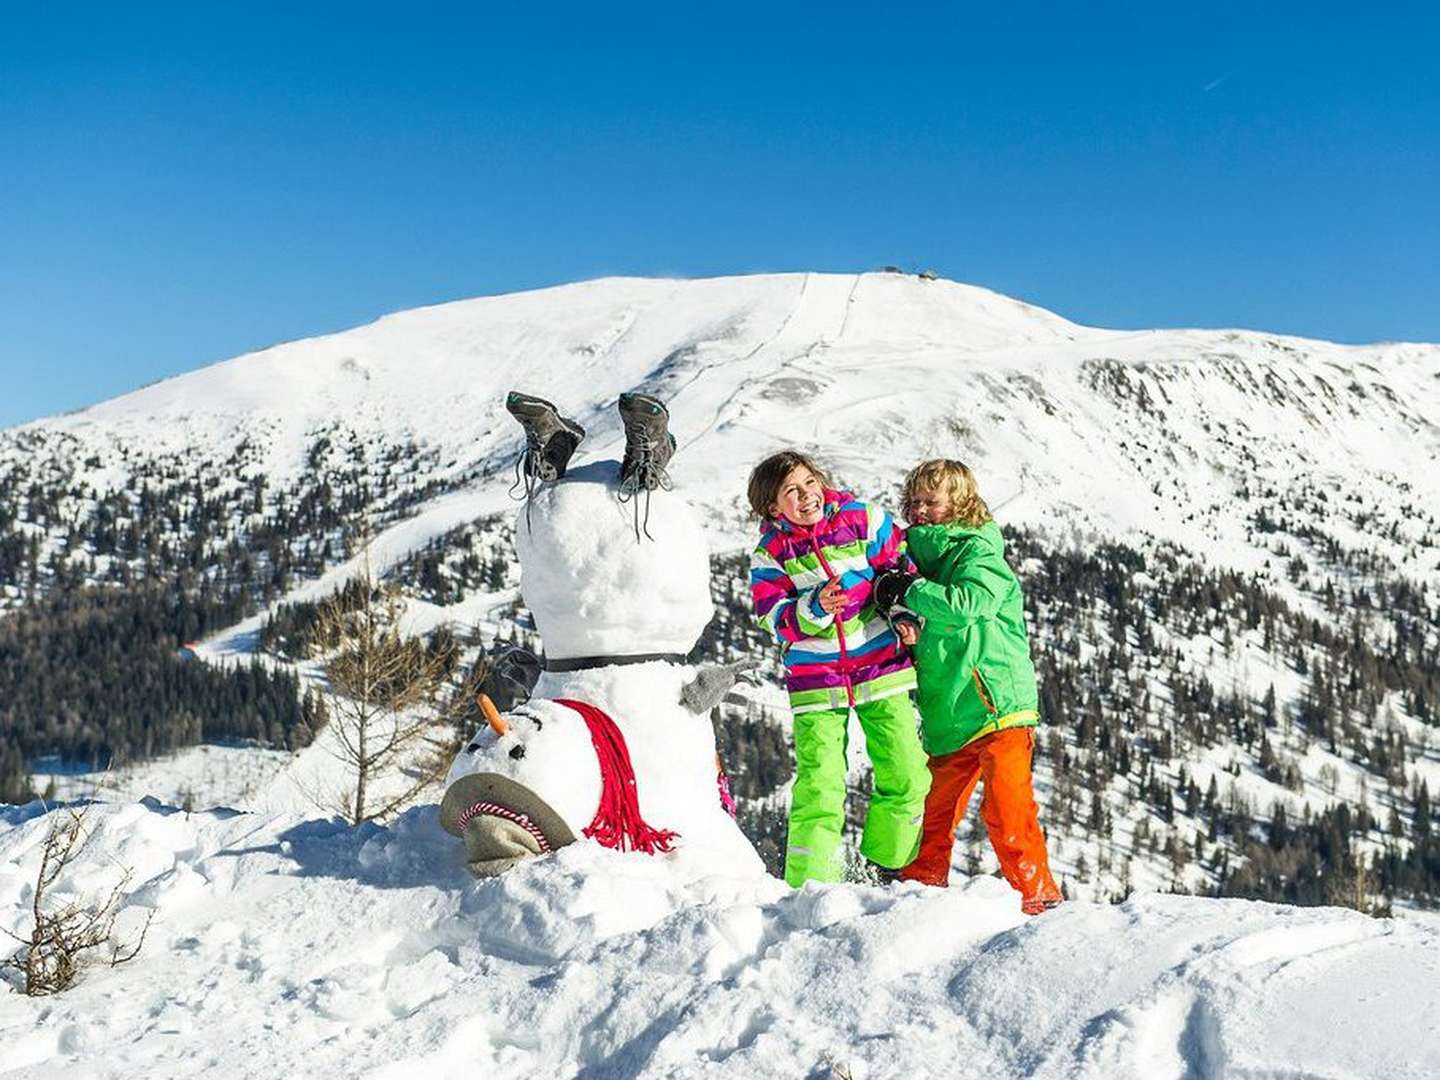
(492, 715)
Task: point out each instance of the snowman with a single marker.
(614, 742)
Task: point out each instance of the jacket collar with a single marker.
(920, 538)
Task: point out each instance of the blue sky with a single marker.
(179, 185)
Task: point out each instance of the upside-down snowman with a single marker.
(615, 741)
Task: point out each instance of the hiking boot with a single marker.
(648, 443)
(649, 446)
(550, 439)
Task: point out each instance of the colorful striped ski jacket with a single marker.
(829, 662)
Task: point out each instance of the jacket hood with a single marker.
(924, 541)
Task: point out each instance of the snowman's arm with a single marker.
(787, 614)
(711, 684)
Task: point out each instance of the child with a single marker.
(978, 699)
(810, 578)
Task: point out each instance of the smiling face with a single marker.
(929, 506)
(801, 498)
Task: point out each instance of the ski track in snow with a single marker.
(285, 946)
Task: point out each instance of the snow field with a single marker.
(212, 774)
(285, 946)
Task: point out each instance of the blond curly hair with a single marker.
(956, 482)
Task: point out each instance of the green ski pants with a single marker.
(817, 801)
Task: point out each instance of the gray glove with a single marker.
(703, 693)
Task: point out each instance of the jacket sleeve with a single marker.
(885, 547)
(884, 550)
(979, 581)
(787, 615)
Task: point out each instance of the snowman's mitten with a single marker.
(512, 677)
(493, 845)
(703, 693)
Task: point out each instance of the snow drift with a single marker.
(284, 946)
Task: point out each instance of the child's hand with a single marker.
(832, 597)
(907, 632)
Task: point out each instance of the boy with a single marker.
(978, 698)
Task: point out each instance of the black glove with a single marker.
(512, 677)
(890, 586)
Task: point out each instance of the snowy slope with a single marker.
(1238, 448)
(1120, 431)
(284, 947)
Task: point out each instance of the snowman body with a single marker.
(616, 616)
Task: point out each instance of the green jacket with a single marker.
(973, 656)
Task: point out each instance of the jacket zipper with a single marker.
(985, 697)
(839, 623)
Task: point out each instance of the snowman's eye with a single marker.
(517, 751)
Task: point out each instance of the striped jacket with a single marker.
(830, 662)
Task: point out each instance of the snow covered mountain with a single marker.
(1228, 545)
(1186, 435)
(1307, 467)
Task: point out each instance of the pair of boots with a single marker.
(551, 439)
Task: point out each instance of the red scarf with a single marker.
(617, 823)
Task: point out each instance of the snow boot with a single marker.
(550, 439)
(649, 446)
(882, 875)
(1036, 906)
(1047, 899)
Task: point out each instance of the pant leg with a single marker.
(953, 779)
(817, 799)
(897, 801)
(1011, 816)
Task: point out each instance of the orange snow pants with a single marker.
(1008, 807)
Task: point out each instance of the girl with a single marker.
(978, 698)
(810, 578)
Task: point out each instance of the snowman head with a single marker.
(594, 589)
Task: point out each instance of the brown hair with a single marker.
(956, 482)
(766, 478)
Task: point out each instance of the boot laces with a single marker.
(646, 474)
(531, 471)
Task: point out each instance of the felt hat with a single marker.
(490, 794)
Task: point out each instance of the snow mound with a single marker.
(284, 946)
(595, 587)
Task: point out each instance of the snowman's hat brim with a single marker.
(477, 788)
